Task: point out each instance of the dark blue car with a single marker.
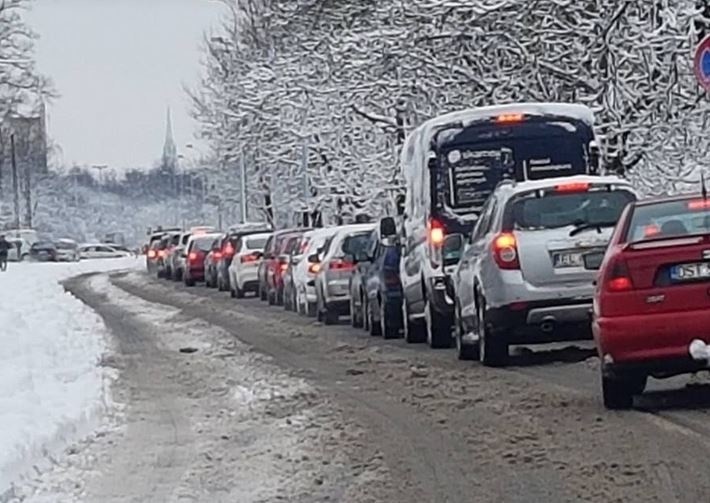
(375, 288)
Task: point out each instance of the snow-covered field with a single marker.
(52, 388)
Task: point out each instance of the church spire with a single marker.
(169, 148)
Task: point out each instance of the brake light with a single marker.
(313, 268)
(283, 266)
(436, 233)
(505, 251)
(161, 253)
(192, 257)
(340, 265)
(217, 255)
(248, 259)
(700, 204)
(572, 187)
(618, 278)
(509, 118)
(151, 253)
(229, 250)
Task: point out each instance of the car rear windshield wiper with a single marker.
(583, 226)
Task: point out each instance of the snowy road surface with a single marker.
(268, 406)
(51, 386)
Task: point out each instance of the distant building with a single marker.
(170, 155)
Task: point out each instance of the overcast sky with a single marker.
(117, 65)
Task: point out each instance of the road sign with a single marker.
(701, 63)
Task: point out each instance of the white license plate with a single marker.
(567, 259)
(689, 272)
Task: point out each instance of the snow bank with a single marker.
(51, 387)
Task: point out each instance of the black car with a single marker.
(43, 251)
(375, 287)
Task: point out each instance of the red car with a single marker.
(197, 249)
(652, 300)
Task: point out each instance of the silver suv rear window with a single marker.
(555, 210)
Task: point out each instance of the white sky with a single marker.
(117, 65)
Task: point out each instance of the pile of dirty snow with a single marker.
(52, 389)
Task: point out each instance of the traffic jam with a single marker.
(508, 231)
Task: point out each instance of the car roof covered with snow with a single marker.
(546, 183)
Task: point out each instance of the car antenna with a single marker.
(703, 189)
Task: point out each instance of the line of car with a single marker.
(507, 234)
(63, 250)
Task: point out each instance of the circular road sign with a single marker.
(701, 63)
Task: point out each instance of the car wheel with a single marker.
(375, 328)
(388, 326)
(189, 281)
(618, 392)
(438, 328)
(238, 292)
(492, 351)
(463, 351)
(330, 317)
(355, 314)
(311, 309)
(414, 330)
(279, 298)
(288, 305)
(271, 298)
(262, 293)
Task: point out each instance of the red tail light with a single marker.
(161, 253)
(228, 250)
(700, 204)
(509, 118)
(151, 253)
(249, 259)
(313, 268)
(340, 265)
(283, 266)
(618, 278)
(217, 255)
(505, 251)
(436, 233)
(572, 187)
(193, 256)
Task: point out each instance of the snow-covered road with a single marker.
(52, 388)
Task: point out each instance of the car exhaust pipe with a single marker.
(548, 325)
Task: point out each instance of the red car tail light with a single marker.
(340, 265)
(283, 266)
(313, 268)
(436, 233)
(161, 253)
(618, 278)
(151, 254)
(509, 118)
(193, 257)
(699, 204)
(228, 250)
(505, 251)
(217, 255)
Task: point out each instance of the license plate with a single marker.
(689, 272)
(567, 259)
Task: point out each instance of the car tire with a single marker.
(311, 309)
(375, 328)
(492, 351)
(238, 292)
(388, 326)
(279, 298)
(355, 315)
(189, 282)
(330, 317)
(464, 352)
(618, 392)
(288, 305)
(223, 284)
(438, 329)
(262, 294)
(414, 331)
(271, 297)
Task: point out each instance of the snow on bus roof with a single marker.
(466, 117)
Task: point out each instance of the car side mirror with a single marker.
(314, 259)
(388, 227)
(452, 248)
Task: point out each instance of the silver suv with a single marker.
(526, 272)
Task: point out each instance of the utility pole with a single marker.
(15, 182)
(28, 193)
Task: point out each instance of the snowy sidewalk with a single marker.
(51, 387)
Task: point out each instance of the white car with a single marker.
(20, 251)
(67, 250)
(248, 252)
(95, 251)
(305, 272)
